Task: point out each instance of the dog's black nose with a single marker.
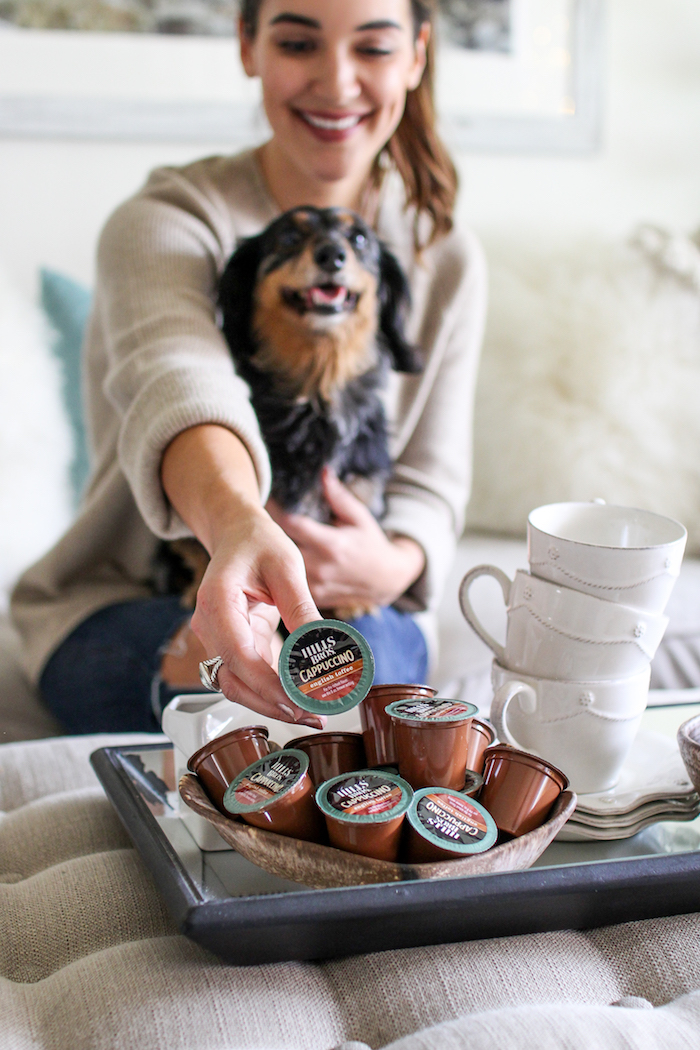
(330, 256)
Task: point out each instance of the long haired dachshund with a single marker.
(313, 311)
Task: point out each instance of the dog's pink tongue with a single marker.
(328, 295)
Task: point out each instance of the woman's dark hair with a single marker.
(416, 149)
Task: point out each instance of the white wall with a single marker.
(56, 194)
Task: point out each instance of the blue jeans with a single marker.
(100, 679)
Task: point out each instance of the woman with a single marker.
(347, 91)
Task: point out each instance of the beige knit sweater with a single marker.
(156, 363)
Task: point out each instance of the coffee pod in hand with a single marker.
(326, 667)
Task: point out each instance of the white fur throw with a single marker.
(590, 380)
(35, 438)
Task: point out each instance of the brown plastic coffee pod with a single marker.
(364, 812)
(431, 740)
(481, 735)
(519, 789)
(277, 793)
(331, 754)
(443, 825)
(223, 758)
(377, 730)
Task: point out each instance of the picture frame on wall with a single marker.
(530, 80)
(514, 76)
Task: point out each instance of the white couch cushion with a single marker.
(35, 438)
(590, 380)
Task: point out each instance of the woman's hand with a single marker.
(255, 574)
(351, 562)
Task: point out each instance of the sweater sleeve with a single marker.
(429, 489)
(168, 365)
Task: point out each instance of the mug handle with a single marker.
(499, 707)
(468, 612)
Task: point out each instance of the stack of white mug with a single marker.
(582, 628)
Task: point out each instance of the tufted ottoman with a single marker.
(90, 959)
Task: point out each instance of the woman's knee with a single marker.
(99, 679)
(398, 644)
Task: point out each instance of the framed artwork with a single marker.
(521, 75)
(514, 75)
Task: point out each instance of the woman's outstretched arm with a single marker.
(256, 573)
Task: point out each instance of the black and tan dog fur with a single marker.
(313, 311)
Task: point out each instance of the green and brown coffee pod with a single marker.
(265, 781)
(451, 822)
(366, 796)
(326, 667)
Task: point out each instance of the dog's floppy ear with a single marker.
(236, 298)
(394, 300)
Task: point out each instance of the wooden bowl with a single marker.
(688, 737)
(323, 867)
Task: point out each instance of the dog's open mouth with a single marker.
(321, 299)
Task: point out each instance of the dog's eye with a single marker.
(357, 239)
(289, 237)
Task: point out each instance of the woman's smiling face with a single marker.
(334, 75)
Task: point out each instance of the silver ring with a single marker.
(209, 673)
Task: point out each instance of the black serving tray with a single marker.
(247, 916)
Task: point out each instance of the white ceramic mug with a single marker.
(619, 554)
(556, 632)
(586, 729)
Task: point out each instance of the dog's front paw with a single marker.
(353, 612)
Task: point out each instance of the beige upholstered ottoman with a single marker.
(90, 959)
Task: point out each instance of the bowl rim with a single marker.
(684, 731)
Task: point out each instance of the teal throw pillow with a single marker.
(67, 304)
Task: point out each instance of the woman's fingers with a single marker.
(239, 603)
(345, 506)
(302, 529)
(286, 581)
(235, 628)
(236, 690)
(264, 621)
(245, 677)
